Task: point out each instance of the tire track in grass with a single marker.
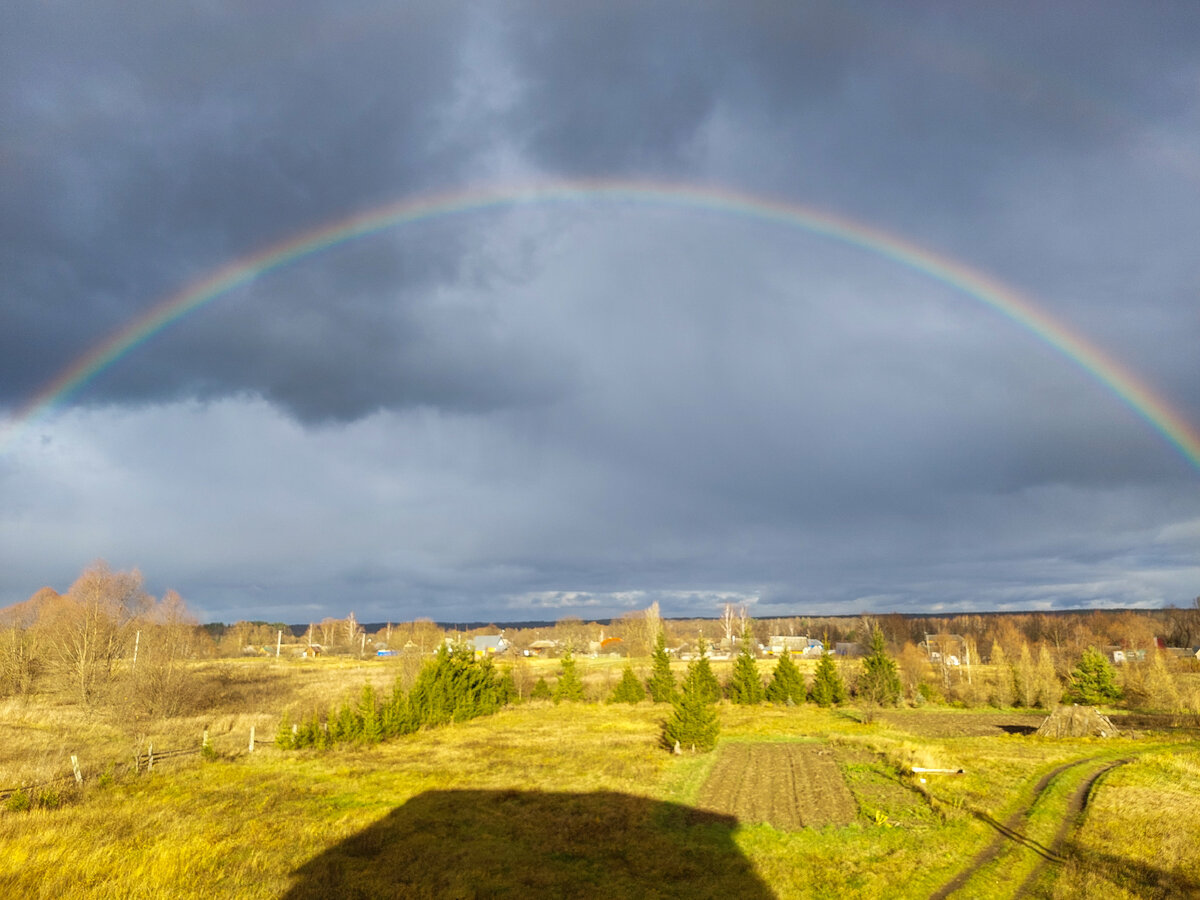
(1072, 819)
(1007, 832)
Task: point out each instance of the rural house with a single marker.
(488, 644)
(796, 644)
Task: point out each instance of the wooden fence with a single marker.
(142, 762)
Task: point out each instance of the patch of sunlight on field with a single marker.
(250, 821)
(855, 861)
(245, 824)
(1142, 828)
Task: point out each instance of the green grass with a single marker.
(570, 800)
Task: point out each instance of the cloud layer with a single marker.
(550, 409)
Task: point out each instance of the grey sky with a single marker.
(537, 411)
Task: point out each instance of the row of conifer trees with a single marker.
(455, 686)
(452, 687)
(879, 681)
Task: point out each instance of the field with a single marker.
(579, 800)
(786, 785)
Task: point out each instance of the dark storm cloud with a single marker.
(146, 145)
(535, 411)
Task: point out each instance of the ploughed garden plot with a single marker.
(783, 784)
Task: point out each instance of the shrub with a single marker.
(49, 799)
(541, 690)
(18, 802)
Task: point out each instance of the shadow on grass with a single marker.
(520, 844)
(1140, 878)
(1018, 729)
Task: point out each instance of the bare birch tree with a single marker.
(88, 628)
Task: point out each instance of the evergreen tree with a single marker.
(310, 733)
(368, 712)
(349, 724)
(661, 685)
(693, 724)
(1094, 681)
(569, 686)
(285, 737)
(431, 699)
(541, 690)
(879, 682)
(628, 689)
(396, 717)
(745, 685)
(704, 674)
(333, 726)
(508, 688)
(828, 687)
(786, 682)
(454, 686)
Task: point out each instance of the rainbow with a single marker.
(980, 287)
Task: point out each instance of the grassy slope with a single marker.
(270, 823)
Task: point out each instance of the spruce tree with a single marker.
(507, 688)
(349, 723)
(879, 682)
(745, 685)
(396, 717)
(1094, 681)
(828, 687)
(704, 674)
(368, 712)
(661, 685)
(693, 723)
(285, 738)
(541, 690)
(786, 682)
(628, 689)
(569, 686)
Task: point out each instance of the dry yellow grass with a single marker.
(267, 824)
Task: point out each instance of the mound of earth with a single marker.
(1077, 721)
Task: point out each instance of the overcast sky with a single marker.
(541, 410)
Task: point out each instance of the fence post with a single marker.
(204, 740)
(149, 757)
(251, 750)
(75, 767)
